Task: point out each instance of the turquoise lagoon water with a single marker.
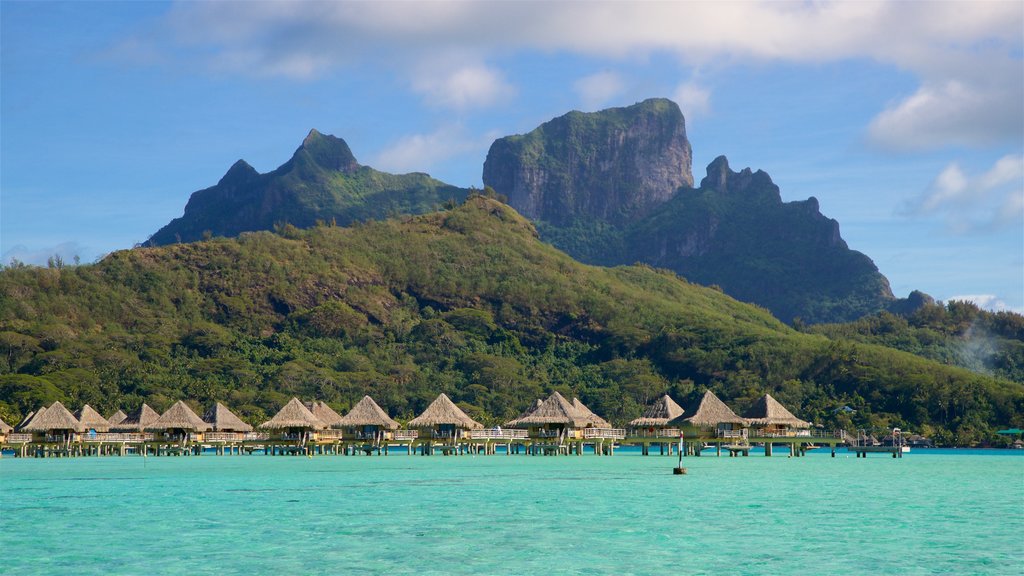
(932, 512)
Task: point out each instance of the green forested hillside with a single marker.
(466, 301)
(957, 333)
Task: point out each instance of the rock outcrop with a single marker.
(611, 165)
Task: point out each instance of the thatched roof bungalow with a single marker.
(54, 422)
(91, 420)
(5, 429)
(707, 418)
(557, 417)
(444, 419)
(657, 416)
(324, 413)
(595, 420)
(137, 420)
(179, 422)
(294, 422)
(366, 420)
(20, 426)
(771, 418)
(117, 417)
(221, 419)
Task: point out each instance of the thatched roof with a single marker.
(91, 419)
(324, 413)
(179, 417)
(224, 420)
(553, 410)
(767, 411)
(294, 415)
(529, 410)
(443, 411)
(659, 413)
(5, 428)
(138, 420)
(56, 417)
(366, 412)
(117, 417)
(595, 420)
(28, 418)
(709, 411)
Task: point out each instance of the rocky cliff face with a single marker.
(611, 165)
(322, 181)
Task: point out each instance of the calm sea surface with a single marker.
(932, 512)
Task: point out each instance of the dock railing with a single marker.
(119, 437)
(733, 434)
(406, 435)
(226, 436)
(604, 433)
(811, 434)
(657, 433)
(493, 434)
(19, 438)
(331, 434)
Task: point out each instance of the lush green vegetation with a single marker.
(958, 333)
(322, 182)
(466, 301)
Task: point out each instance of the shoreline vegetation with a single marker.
(468, 302)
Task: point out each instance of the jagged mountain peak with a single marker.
(239, 173)
(721, 178)
(326, 151)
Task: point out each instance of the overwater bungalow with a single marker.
(91, 421)
(20, 426)
(443, 421)
(655, 419)
(367, 422)
(294, 423)
(767, 418)
(222, 419)
(710, 419)
(54, 425)
(179, 424)
(5, 430)
(137, 420)
(329, 417)
(595, 420)
(117, 417)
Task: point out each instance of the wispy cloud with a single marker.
(693, 99)
(965, 56)
(598, 89)
(983, 202)
(990, 302)
(418, 152)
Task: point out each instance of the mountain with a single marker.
(610, 166)
(614, 187)
(466, 301)
(321, 182)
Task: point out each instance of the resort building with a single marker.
(91, 421)
(5, 430)
(179, 424)
(767, 418)
(137, 420)
(53, 425)
(294, 424)
(367, 422)
(555, 425)
(117, 417)
(710, 420)
(652, 427)
(444, 422)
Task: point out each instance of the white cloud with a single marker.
(471, 86)
(693, 99)
(418, 152)
(990, 302)
(598, 89)
(984, 202)
(964, 55)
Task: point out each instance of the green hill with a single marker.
(321, 182)
(466, 301)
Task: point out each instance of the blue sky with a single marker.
(905, 119)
